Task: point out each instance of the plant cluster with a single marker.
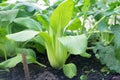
(63, 29)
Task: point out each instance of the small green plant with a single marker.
(70, 70)
(83, 77)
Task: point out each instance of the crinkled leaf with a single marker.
(29, 23)
(23, 35)
(62, 15)
(75, 44)
(70, 70)
(107, 56)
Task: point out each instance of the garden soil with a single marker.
(89, 67)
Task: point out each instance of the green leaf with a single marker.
(93, 2)
(39, 40)
(30, 54)
(7, 17)
(83, 77)
(23, 35)
(3, 51)
(3, 32)
(75, 24)
(46, 37)
(27, 7)
(116, 31)
(48, 43)
(7, 49)
(107, 56)
(61, 15)
(102, 26)
(110, 12)
(10, 47)
(98, 16)
(105, 69)
(24, 13)
(70, 70)
(86, 8)
(75, 44)
(29, 23)
(50, 50)
(114, 4)
(43, 20)
(47, 2)
(40, 48)
(85, 55)
(11, 62)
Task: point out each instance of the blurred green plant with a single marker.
(62, 30)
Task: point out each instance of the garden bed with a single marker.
(89, 67)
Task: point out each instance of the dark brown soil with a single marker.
(90, 67)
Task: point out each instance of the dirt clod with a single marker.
(47, 76)
(116, 78)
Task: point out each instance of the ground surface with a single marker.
(90, 67)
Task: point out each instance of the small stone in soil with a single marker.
(46, 76)
(116, 78)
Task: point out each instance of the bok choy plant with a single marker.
(9, 48)
(56, 43)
